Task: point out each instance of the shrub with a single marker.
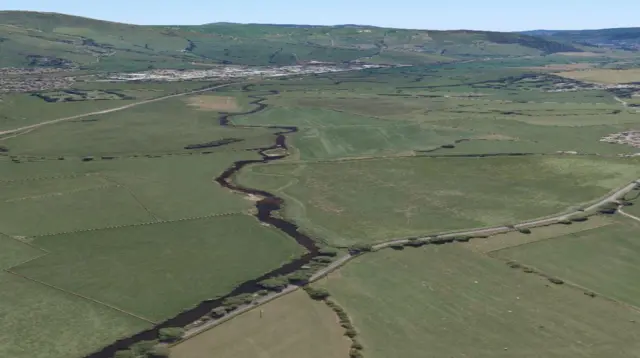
(565, 222)
(350, 333)
(323, 259)
(448, 146)
(3, 149)
(317, 294)
(328, 251)
(238, 300)
(299, 277)
(355, 344)
(398, 246)
(171, 334)
(218, 312)
(274, 283)
(355, 353)
(524, 230)
(142, 348)
(87, 159)
(579, 218)
(463, 238)
(159, 351)
(263, 292)
(556, 281)
(360, 248)
(124, 354)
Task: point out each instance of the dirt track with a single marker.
(53, 121)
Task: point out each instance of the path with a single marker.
(629, 215)
(624, 103)
(117, 109)
(617, 194)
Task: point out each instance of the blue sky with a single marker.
(501, 15)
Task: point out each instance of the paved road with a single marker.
(37, 125)
(480, 231)
(629, 215)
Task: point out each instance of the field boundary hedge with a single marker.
(143, 224)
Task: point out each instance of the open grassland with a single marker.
(603, 260)
(516, 238)
(375, 200)
(41, 322)
(64, 196)
(15, 252)
(604, 75)
(155, 128)
(445, 301)
(19, 110)
(177, 265)
(378, 114)
(290, 327)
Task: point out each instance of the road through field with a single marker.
(117, 109)
(629, 215)
(617, 194)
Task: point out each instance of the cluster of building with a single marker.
(232, 71)
(631, 138)
(33, 79)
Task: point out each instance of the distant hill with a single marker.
(619, 38)
(50, 39)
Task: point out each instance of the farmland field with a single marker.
(376, 200)
(446, 301)
(177, 264)
(293, 326)
(41, 322)
(603, 260)
(105, 193)
(170, 213)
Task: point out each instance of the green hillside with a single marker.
(619, 38)
(54, 40)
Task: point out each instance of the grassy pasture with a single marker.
(15, 252)
(19, 110)
(604, 75)
(166, 126)
(445, 301)
(41, 322)
(177, 265)
(514, 239)
(292, 326)
(602, 259)
(117, 192)
(374, 200)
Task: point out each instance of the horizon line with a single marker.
(312, 25)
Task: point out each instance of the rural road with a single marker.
(348, 257)
(624, 103)
(629, 215)
(131, 105)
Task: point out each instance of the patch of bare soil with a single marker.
(213, 103)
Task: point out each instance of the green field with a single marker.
(177, 265)
(106, 193)
(376, 200)
(291, 327)
(41, 322)
(603, 260)
(447, 301)
(156, 128)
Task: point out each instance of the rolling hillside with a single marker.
(49, 39)
(619, 38)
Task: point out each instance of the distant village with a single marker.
(44, 79)
(631, 138)
(231, 71)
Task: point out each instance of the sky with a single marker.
(498, 15)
